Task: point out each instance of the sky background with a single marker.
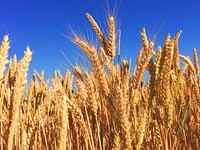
(42, 24)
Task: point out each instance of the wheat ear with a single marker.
(12, 70)
(121, 105)
(98, 68)
(90, 87)
(64, 125)
(112, 37)
(18, 90)
(141, 129)
(148, 48)
(176, 52)
(188, 61)
(80, 84)
(5, 45)
(116, 142)
(196, 61)
(98, 31)
(163, 84)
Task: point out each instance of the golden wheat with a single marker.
(103, 106)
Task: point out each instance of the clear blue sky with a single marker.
(41, 23)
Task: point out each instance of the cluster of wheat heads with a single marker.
(106, 107)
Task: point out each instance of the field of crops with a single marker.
(104, 106)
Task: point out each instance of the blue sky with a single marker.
(42, 24)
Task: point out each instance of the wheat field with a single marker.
(104, 106)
